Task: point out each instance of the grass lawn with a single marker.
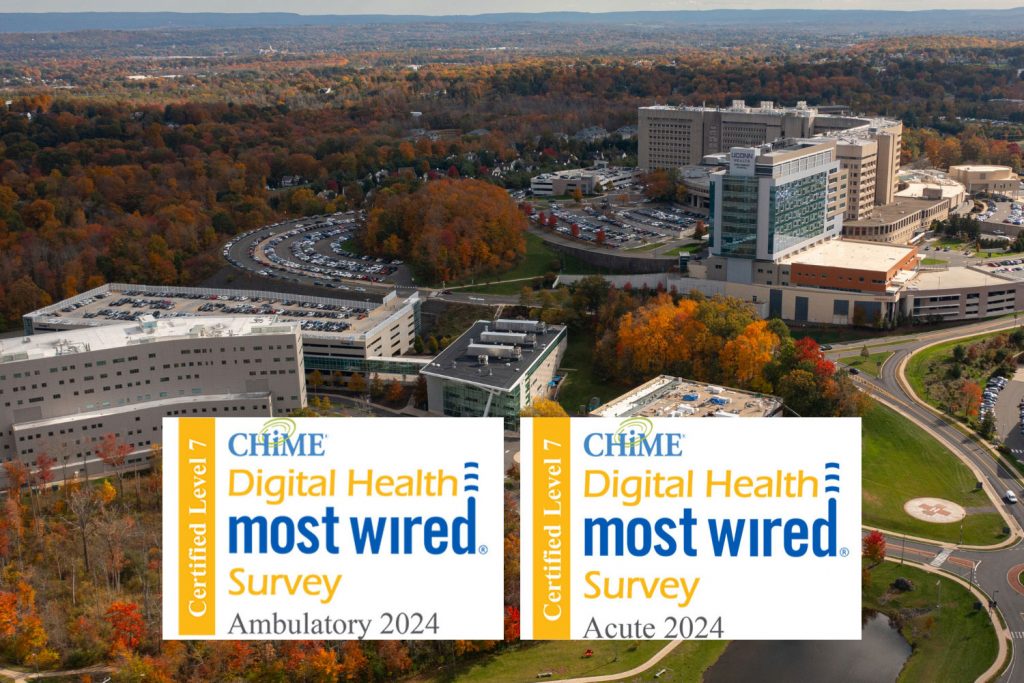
(685, 249)
(580, 384)
(647, 247)
(951, 643)
(837, 334)
(689, 660)
(892, 343)
(564, 658)
(538, 262)
(871, 364)
(901, 461)
(999, 254)
(934, 261)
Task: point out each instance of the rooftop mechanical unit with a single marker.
(507, 325)
(520, 338)
(494, 350)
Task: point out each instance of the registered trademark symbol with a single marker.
(844, 552)
(482, 550)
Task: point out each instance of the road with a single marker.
(990, 567)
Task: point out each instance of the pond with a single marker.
(878, 656)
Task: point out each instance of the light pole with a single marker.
(903, 549)
(938, 594)
(961, 533)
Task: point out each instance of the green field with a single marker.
(901, 461)
(564, 659)
(1000, 255)
(837, 334)
(537, 262)
(647, 247)
(934, 261)
(871, 364)
(685, 249)
(950, 643)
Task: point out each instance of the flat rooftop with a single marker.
(668, 396)
(461, 361)
(955, 278)
(115, 336)
(899, 208)
(851, 254)
(115, 303)
(162, 404)
(980, 168)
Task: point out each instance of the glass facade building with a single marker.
(738, 223)
(771, 201)
(796, 212)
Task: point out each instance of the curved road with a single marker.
(987, 569)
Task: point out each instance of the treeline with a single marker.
(93, 192)
(102, 188)
(641, 333)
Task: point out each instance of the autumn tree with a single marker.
(395, 393)
(543, 407)
(663, 185)
(447, 230)
(745, 357)
(970, 398)
(82, 506)
(126, 625)
(874, 547)
(113, 453)
(315, 380)
(357, 383)
(394, 658)
(419, 392)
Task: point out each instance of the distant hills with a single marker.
(972, 21)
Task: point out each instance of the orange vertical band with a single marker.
(551, 527)
(196, 539)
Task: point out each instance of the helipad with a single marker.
(934, 510)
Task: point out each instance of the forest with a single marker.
(114, 178)
(108, 177)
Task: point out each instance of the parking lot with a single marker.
(1001, 218)
(312, 251)
(632, 227)
(1008, 417)
(130, 304)
(1011, 266)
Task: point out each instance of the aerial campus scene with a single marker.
(774, 211)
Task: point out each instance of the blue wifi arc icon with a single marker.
(831, 477)
(470, 477)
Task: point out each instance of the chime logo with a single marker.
(653, 528)
(332, 528)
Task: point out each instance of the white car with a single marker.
(1010, 497)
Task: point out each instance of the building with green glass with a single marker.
(496, 368)
(772, 201)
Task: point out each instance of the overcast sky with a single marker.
(468, 6)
